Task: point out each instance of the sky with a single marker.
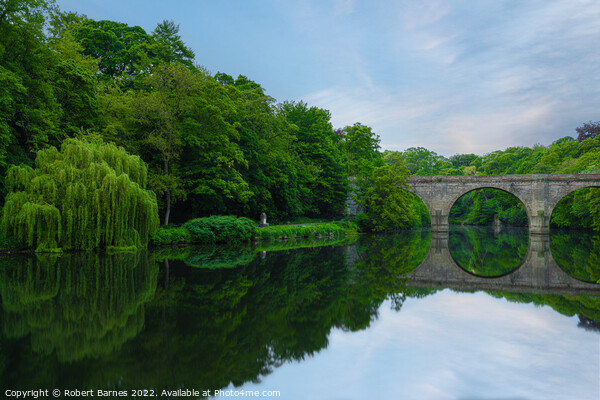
(449, 346)
(453, 76)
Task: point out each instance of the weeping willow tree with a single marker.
(85, 196)
(77, 305)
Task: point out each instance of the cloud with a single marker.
(422, 13)
(459, 346)
(489, 130)
(343, 7)
(454, 76)
(472, 77)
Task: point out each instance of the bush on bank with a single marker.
(207, 230)
(221, 229)
(229, 229)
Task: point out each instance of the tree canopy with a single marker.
(215, 143)
(85, 196)
(386, 200)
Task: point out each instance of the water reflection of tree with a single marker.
(577, 253)
(484, 252)
(234, 325)
(207, 328)
(213, 256)
(71, 307)
(587, 308)
(588, 324)
(380, 274)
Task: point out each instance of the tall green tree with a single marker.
(386, 202)
(179, 125)
(29, 110)
(212, 161)
(47, 86)
(85, 196)
(75, 77)
(362, 149)
(363, 155)
(322, 171)
(169, 47)
(122, 51)
(266, 139)
(159, 114)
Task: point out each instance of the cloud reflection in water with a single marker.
(451, 346)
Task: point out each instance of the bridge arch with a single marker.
(539, 193)
(453, 199)
(557, 199)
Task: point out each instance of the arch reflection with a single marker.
(577, 253)
(487, 251)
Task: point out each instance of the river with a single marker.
(480, 314)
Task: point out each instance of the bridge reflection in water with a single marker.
(538, 273)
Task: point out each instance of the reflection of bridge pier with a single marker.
(538, 273)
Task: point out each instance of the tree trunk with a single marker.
(168, 210)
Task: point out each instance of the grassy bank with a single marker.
(336, 229)
(232, 230)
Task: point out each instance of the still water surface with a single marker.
(328, 322)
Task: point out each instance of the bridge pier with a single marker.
(540, 224)
(439, 241)
(439, 221)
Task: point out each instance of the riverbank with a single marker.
(220, 229)
(233, 230)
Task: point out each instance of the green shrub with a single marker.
(226, 229)
(169, 235)
(200, 234)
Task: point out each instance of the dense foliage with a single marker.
(227, 229)
(85, 196)
(386, 200)
(203, 328)
(215, 144)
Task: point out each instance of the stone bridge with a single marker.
(538, 273)
(538, 193)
